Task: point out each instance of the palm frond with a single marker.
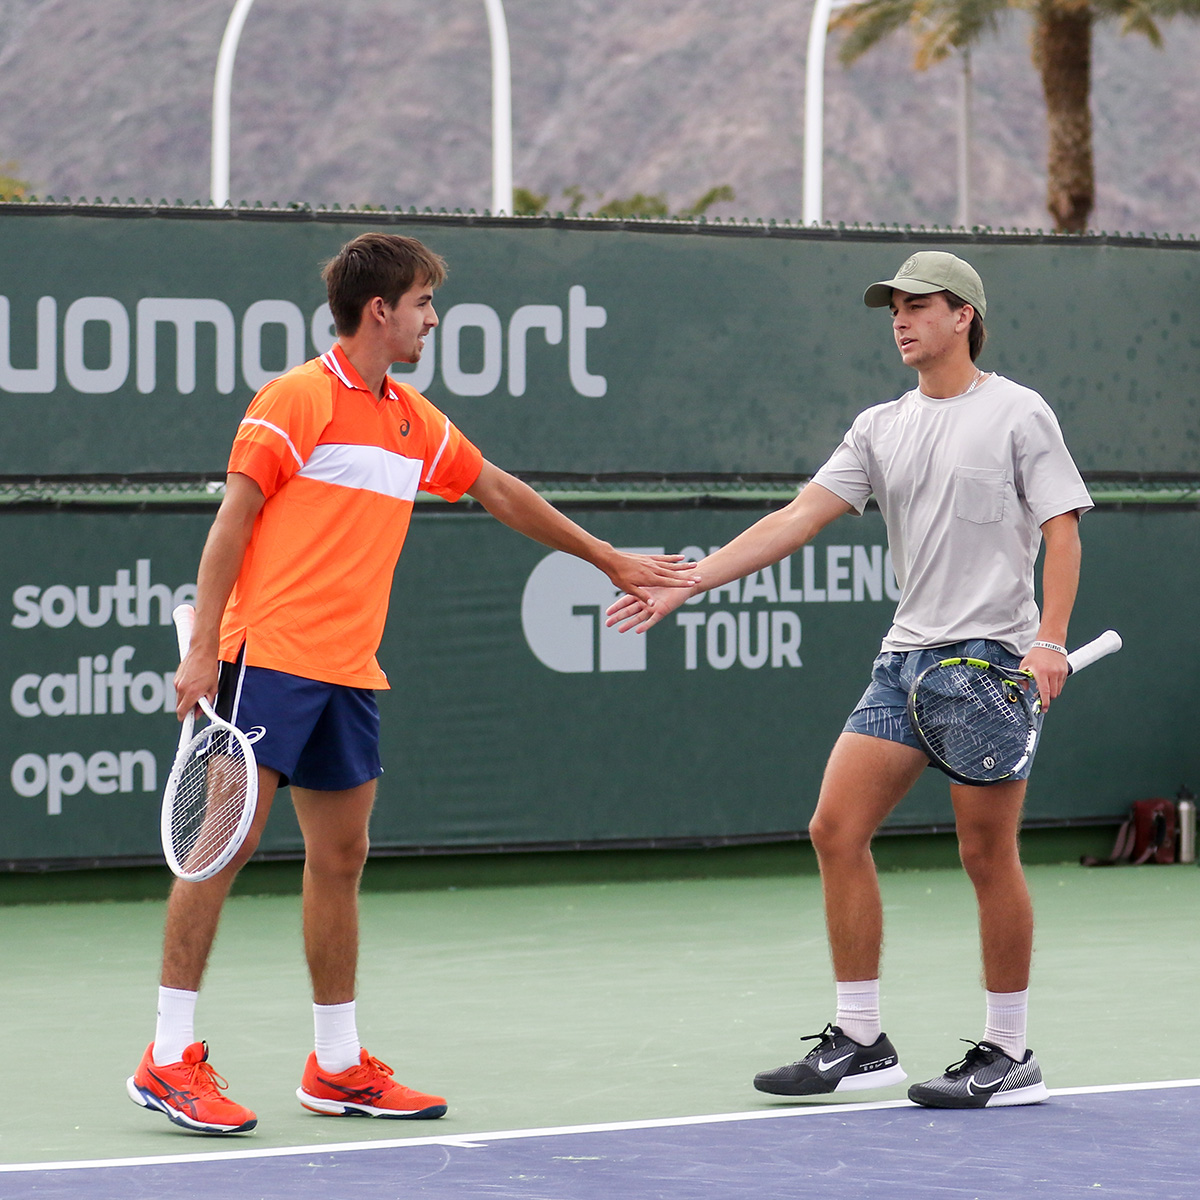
(1142, 16)
(1138, 20)
(939, 27)
(868, 23)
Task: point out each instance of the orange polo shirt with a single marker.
(340, 470)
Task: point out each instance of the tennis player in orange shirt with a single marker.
(292, 597)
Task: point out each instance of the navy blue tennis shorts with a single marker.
(321, 736)
(883, 710)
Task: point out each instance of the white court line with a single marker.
(469, 1140)
(1124, 1087)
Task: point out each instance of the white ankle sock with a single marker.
(1007, 1013)
(338, 1048)
(858, 1010)
(176, 1028)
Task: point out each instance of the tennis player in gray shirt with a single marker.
(971, 474)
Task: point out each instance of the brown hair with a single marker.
(376, 264)
(977, 334)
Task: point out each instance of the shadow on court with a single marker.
(1134, 1144)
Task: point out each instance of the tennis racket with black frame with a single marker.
(979, 722)
(212, 791)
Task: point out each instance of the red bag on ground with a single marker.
(1147, 837)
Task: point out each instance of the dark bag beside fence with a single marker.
(1148, 836)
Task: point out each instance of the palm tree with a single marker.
(12, 188)
(1062, 55)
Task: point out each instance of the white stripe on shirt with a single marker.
(437, 458)
(369, 468)
(276, 429)
(330, 360)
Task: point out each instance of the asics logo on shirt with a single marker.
(256, 734)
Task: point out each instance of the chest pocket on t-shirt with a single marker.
(979, 494)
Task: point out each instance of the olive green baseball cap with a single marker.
(931, 271)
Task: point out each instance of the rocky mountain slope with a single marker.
(388, 102)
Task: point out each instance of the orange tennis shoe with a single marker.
(188, 1093)
(365, 1090)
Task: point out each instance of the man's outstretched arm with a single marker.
(519, 507)
(775, 536)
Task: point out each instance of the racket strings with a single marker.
(209, 799)
(974, 720)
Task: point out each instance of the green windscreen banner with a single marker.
(516, 718)
(132, 340)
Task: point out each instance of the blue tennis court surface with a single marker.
(1136, 1141)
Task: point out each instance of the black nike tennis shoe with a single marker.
(985, 1078)
(838, 1064)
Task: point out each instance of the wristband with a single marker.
(1051, 646)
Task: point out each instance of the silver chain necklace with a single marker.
(980, 376)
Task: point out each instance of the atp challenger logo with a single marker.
(750, 623)
(562, 615)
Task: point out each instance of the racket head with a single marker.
(209, 801)
(979, 723)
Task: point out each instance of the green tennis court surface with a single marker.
(569, 1004)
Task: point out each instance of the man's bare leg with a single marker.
(340, 1078)
(194, 909)
(1003, 1072)
(336, 841)
(173, 1077)
(865, 779)
(989, 822)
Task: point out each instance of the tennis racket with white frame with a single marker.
(980, 722)
(212, 791)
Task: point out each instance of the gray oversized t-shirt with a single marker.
(964, 485)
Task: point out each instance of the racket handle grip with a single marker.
(1107, 643)
(184, 617)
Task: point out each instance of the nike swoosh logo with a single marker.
(828, 1066)
(975, 1088)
